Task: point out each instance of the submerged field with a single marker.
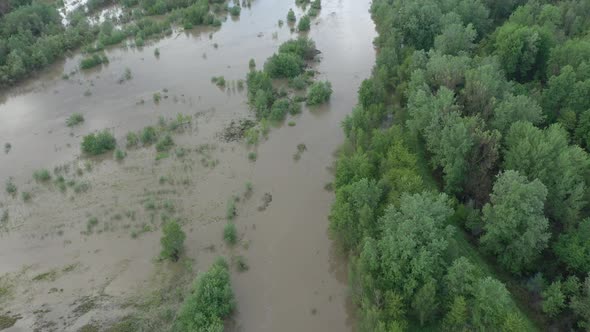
(79, 251)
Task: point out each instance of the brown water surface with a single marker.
(296, 280)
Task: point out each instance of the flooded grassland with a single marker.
(82, 254)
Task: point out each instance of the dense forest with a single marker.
(462, 188)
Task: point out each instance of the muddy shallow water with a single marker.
(296, 280)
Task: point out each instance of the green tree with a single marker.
(523, 50)
(461, 278)
(546, 155)
(415, 238)
(573, 248)
(516, 108)
(516, 230)
(425, 302)
(553, 299)
(580, 304)
(491, 304)
(291, 16)
(354, 214)
(210, 301)
(172, 241)
(455, 39)
(457, 317)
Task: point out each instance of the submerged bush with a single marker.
(291, 16)
(165, 143)
(148, 135)
(210, 301)
(284, 65)
(74, 119)
(230, 234)
(42, 175)
(319, 93)
(304, 23)
(235, 10)
(93, 61)
(98, 143)
(172, 241)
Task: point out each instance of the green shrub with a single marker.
(172, 241)
(304, 24)
(93, 61)
(230, 209)
(319, 93)
(148, 135)
(98, 143)
(157, 52)
(252, 64)
(230, 234)
(316, 4)
(209, 303)
(298, 82)
(132, 139)
(42, 175)
(90, 224)
(304, 47)
(235, 10)
(219, 81)
(252, 136)
(291, 123)
(284, 65)
(74, 119)
(291, 16)
(252, 156)
(279, 110)
(26, 196)
(157, 97)
(120, 154)
(165, 143)
(312, 12)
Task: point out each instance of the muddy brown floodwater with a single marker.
(59, 271)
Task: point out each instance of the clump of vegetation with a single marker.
(299, 82)
(81, 187)
(4, 216)
(120, 154)
(235, 10)
(291, 123)
(26, 196)
(230, 234)
(231, 211)
(319, 93)
(304, 24)
(172, 241)
(10, 187)
(252, 156)
(316, 4)
(7, 147)
(291, 16)
(157, 52)
(98, 143)
(219, 81)
(164, 143)
(157, 97)
(90, 224)
(209, 303)
(132, 139)
(252, 64)
(241, 264)
(93, 61)
(74, 119)
(42, 175)
(148, 135)
(284, 65)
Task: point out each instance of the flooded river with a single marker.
(50, 263)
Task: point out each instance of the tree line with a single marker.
(473, 129)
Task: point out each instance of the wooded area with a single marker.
(461, 190)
